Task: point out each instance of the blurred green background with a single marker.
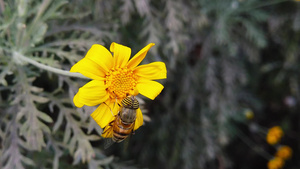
(233, 73)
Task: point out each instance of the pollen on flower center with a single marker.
(120, 82)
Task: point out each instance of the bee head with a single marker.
(130, 102)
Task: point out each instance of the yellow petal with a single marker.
(135, 92)
(149, 88)
(76, 101)
(89, 69)
(108, 131)
(101, 56)
(137, 59)
(91, 94)
(121, 54)
(152, 71)
(105, 113)
(139, 119)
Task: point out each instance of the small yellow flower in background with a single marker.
(249, 114)
(114, 78)
(275, 163)
(274, 135)
(284, 152)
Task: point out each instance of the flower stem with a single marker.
(19, 57)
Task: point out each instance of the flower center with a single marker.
(120, 82)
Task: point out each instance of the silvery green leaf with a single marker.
(20, 115)
(39, 34)
(24, 129)
(78, 156)
(58, 122)
(36, 89)
(67, 134)
(39, 99)
(3, 82)
(72, 145)
(45, 117)
(44, 127)
(93, 137)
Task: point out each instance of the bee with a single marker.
(123, 124)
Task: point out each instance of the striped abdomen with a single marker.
(121, 129)
(124, 122)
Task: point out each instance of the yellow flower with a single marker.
(274, 135)
(275, 163)
(114, 78)
(284, 152)
(249, 114)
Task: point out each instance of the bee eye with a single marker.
(130, 102)
(135, 104)
(126, 102)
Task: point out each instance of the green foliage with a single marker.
(37, 116)
(223, 57)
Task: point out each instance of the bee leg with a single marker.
(111, 123)
(116, 99)
(106, 128)
(109, 108)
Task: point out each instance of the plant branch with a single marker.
(19, 57)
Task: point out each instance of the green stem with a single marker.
(19, 57)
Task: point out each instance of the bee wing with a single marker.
(107, 134)
(126, 141)
(108, 142)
